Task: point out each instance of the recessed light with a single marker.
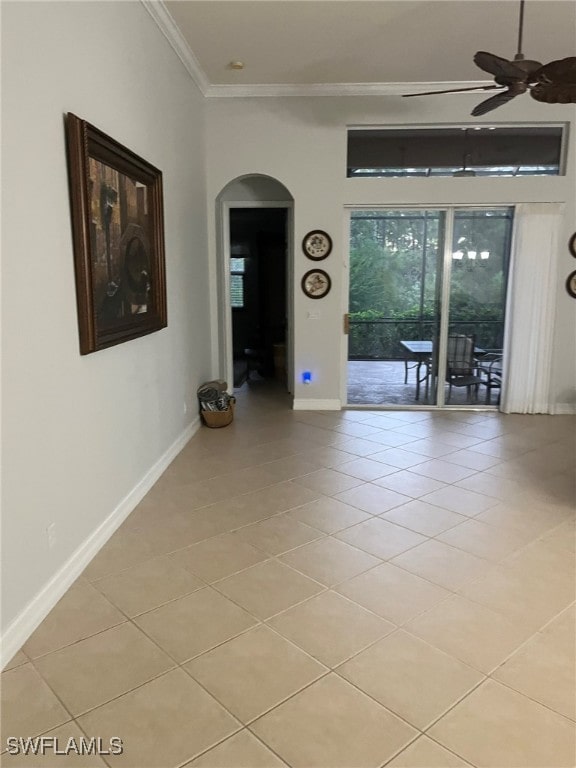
(236, 65)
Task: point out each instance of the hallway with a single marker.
(348, 589)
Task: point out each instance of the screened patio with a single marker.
(381, 382)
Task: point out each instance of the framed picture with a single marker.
(571, 284)
(118, 234)
(317, 244)
(316, 284)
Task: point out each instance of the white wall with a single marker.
(302, 143)
(255, 189)
(80, 433)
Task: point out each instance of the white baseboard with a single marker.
(41, 605)
(304, 404)
(567, 409)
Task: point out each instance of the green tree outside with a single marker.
(395, 277)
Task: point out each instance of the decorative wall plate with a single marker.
(317, 245)
(571, 284)
(316, 283)
(572, 245)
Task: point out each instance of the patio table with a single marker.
(421, 352)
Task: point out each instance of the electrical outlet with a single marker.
(51, 535)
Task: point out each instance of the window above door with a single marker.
(455, 151)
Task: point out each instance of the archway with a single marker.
(255, 299)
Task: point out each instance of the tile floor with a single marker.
(325, 590)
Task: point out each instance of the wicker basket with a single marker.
(217, 419)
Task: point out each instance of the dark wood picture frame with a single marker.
(118, 234)
(317, 239)
(323, 287)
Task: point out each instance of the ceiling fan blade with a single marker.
(560, 71)
(454, 90)
(556, 82)
(554, 93)
(494, 102)
(498, 66)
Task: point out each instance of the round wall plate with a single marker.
(571, 284)
(316, 283)
(317, 244)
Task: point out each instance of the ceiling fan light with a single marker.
(472, 254)
(484, 254)
(458, 255)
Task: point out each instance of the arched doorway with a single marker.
(255, 277)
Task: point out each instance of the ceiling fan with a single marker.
(553, 83)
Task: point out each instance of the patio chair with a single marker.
(409, 363)
(490, 371)
(461, 367)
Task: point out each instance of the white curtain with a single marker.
(531, 308)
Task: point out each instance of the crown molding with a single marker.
(169, 29)
(158, 11)
(335, 89)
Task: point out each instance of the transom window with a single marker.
(467, 151)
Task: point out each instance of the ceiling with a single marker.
(357, 45)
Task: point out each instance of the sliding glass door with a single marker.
(427, 301)
(479, 261)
